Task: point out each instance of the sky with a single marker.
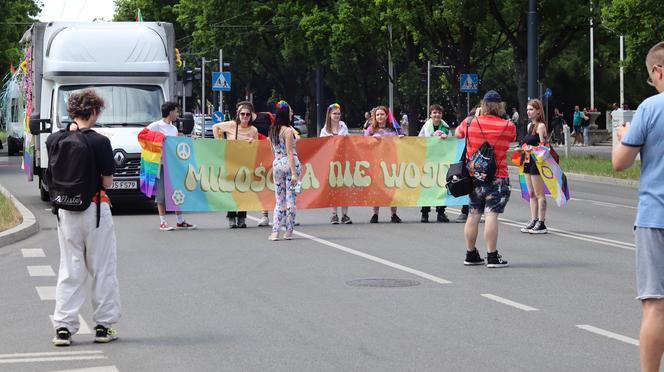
(76, 10)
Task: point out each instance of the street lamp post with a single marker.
(622, 71)
(429, 66)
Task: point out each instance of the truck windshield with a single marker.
(124, 104)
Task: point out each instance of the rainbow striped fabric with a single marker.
(555, 181)
(151, 144)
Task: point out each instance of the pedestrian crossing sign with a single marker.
(469, 83)
(221, 81)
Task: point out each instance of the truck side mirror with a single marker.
(36, 126)
(187, 123)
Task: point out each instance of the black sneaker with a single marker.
(374, 219)
(526, 229)
(62, 337)
(395, 219)
(241, 223)
(334, 220)
(442, 217)
(494, 260)
(473, 258)
(425, 217)
(105, 335)
(346, 220)
(539, 228)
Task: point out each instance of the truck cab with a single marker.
(131, 65)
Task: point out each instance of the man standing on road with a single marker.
(490, 197)
(87, 238)
(169, 114)
(645, 135)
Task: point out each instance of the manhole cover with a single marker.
(383, 283)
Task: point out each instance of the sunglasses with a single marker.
(649, 80)
(245, 114)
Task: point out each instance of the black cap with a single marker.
(492, 96)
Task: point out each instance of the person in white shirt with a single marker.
(335, 127)
(169, 114)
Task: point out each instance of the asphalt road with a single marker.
(216, 299)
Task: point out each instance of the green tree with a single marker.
(17, 17)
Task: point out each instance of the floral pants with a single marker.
(284, 209)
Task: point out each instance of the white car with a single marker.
(300, 125)
(198, 127)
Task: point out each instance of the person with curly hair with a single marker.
(87, 238)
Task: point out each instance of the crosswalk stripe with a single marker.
(51, 359)
(93, 369)
(83, 328)
(41, 270)
(51, 353)
(46, 293)
(33, 252)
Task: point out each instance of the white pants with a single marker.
(86, 249)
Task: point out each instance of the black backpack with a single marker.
(482, 164)
(70, 175)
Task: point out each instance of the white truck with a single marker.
(130, 64)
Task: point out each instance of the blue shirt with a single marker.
(647, 132)
(578, 117)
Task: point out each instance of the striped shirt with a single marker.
(498, 132)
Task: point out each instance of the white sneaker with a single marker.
(265, 221)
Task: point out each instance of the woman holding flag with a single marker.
(536, 136)
(383, 124)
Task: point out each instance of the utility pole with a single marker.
(203, 105)
(184, 89)
(221, 69)
(592, 61)
(390, 68)
(622, 71)
(533, 53)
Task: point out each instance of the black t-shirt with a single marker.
(103, 153)
(263, 122)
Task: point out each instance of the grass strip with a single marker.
(9, 216)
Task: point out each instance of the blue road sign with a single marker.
(469, 83)
(217, 117)
(221, 81)
(548, 93)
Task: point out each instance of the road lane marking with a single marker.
(93, 369)
(53, 356)
(41, 270)
(608, 334)
(604, 204)
(379, 260)
(51, 353)
(507, 302)
(569, 234)
(83, 328)
(46, 293)
(33, 252)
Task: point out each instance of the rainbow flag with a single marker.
(151, 145)
(555, 181)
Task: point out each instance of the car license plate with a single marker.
(124, 185)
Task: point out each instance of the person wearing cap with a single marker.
(488, 198)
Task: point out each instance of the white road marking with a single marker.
(93, 369)
(569, 234)
(83, 328)
(608, 334)
(41, 270)
(604, 204)
(33, 252)
(51, 353)
(509, 302)
(379, 260)
(46, 293)
(54, 356)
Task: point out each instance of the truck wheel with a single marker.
(43, 194)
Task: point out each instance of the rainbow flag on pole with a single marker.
(151, 145)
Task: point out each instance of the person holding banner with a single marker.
(488, 198)
(286, 170)
(170, 111)
(435, 126)
(239, 129)
(536, 136)
(381, 126)
(335, 127)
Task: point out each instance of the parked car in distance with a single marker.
(300, 125)
(198, 131)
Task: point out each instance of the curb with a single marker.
(27, 228)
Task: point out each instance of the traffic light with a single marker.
(191, 75)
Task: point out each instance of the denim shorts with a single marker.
(649, 263)
(490, 196)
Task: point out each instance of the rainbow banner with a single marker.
(215, 175)
(555, 181)
(151, 145)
